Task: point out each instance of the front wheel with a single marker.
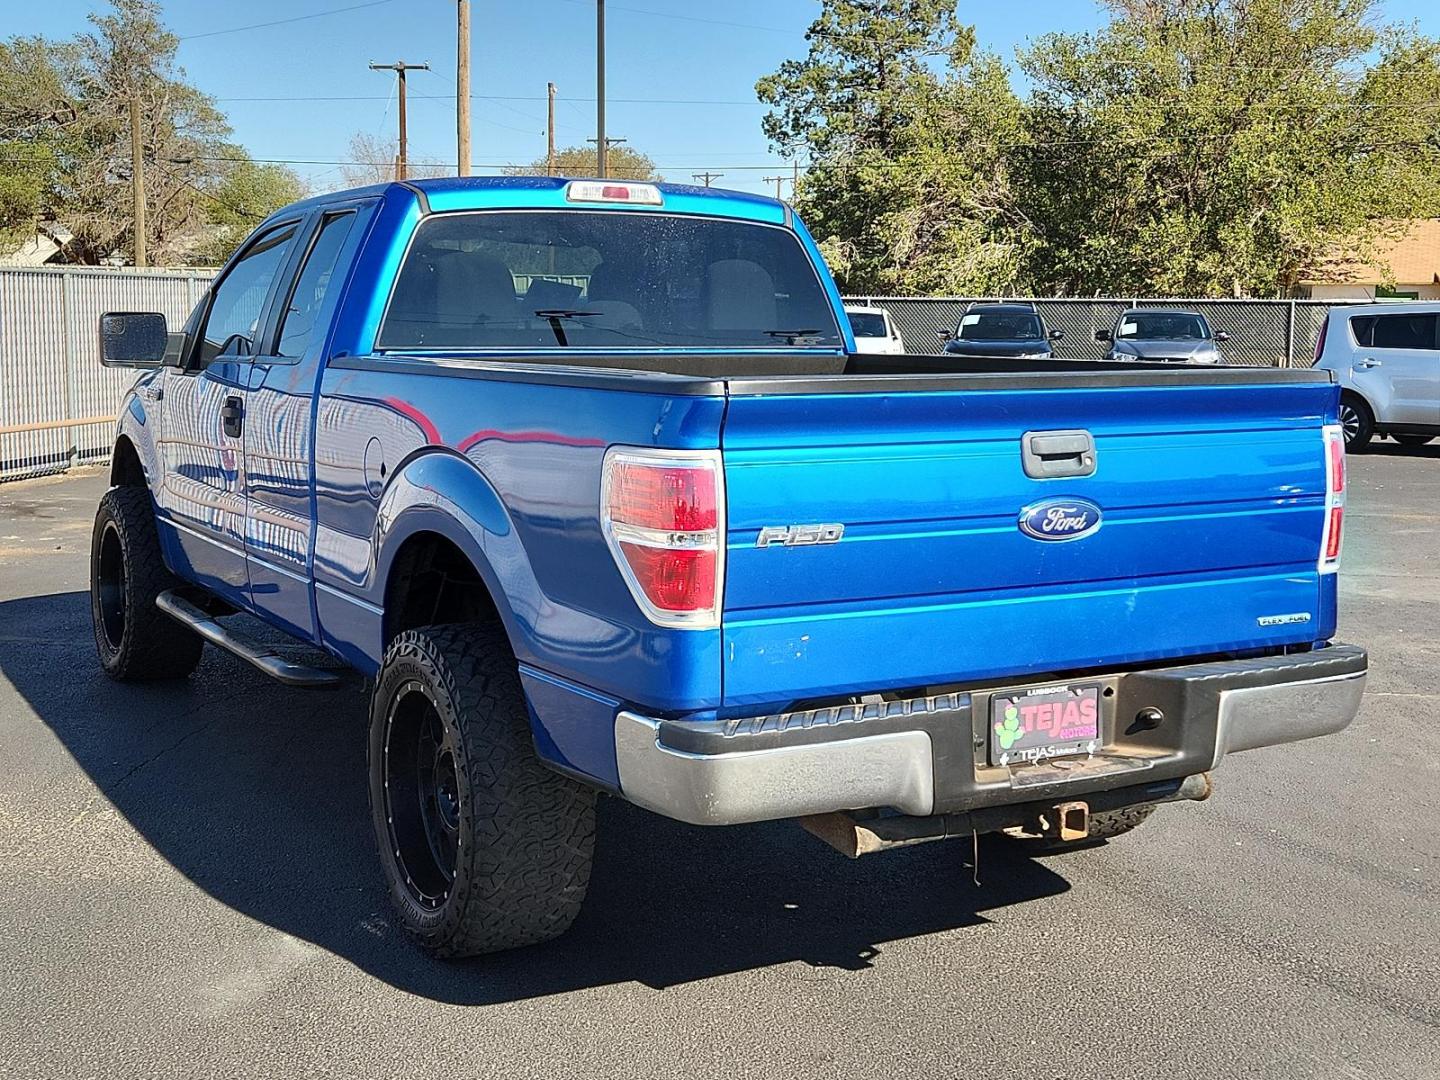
(134, 638)
(1357, 421)
(483, 848)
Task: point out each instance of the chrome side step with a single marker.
(263, 657)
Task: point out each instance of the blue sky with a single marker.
(663, 57)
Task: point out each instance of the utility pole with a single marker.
(462, 88)
(777, 180)
(400, 68)
(600, 155)
(137, 178)
(706, 177)
(550, 130)
(602, 144)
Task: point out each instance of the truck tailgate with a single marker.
(1212, 504)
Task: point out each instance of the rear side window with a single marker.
(604, 280)
(1407, 331)
(312, 284)
(1363, 327)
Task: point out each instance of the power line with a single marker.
(284, 22)
(504, 97)
(687, 18)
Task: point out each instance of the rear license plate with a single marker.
(1036, 725)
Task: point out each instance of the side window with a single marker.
(306, 299)
(234, 318)
(1363, 327)
(1404, 332)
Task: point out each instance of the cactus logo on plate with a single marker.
(1060, 519)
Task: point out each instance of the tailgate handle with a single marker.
(1048, 455)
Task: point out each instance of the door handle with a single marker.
(1368, 362)
(1046, 455)
(232, 417)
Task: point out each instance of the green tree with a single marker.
(1222, 147)
(621, 162)
(903, 123)
(64, 118)
(237, 201)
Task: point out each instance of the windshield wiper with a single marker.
(554, 315)
(792, 337)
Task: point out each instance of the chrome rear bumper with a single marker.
(927, 755)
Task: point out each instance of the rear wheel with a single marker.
(483, 848)
(1357, 421)
(135, 640)
(1413, 440)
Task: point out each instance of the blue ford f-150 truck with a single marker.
(587, 479)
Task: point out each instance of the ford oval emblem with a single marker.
(1060, 519)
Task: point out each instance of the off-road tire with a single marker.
(135, 639)
(524, 833)
(1358, 421)
(1105, 825)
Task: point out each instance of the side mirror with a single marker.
(1102, 335)
(1056, 335)
(1222, 337)
(133, 339)
(942, 336)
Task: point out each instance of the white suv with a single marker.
(874, 331)
(1387, 360)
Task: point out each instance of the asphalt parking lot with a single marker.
(187, 888)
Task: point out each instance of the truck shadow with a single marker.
(257, 795)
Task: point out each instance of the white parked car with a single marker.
(874, 330)
(1387, 360)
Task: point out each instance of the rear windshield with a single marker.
(604, 280)
(1161, 326)
(868, 324)
(1000, 326)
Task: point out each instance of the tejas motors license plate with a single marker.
(1035, 725)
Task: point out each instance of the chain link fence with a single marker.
(1263, 333)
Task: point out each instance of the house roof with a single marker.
(1408, 253)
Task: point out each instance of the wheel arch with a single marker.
(441, 530)
(126, 468)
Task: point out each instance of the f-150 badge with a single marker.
(799, 535)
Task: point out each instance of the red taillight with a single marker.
(1337, 464)
(1334, 526)
(663, 516)
(669, 497)
(1320, 341)
(673, 581)
(1332, 539)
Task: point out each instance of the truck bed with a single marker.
(1211, 482)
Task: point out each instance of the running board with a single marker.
(263, 657)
